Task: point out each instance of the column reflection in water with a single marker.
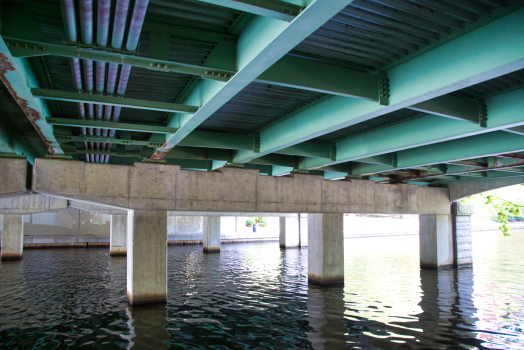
(447, 307)
(325, 308)
(147, 326)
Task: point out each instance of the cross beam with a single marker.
(277, 9)
(504, 111)
(438, 72)
(263, 42)
(111, 101)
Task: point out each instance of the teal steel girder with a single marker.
(321, 77)
(111, 125)
(289, 71)
(262, 43)
(452, 107)
(277, 9)
(486, 53)
(16, 75)
(27, 48)
(111, 101)
(484, 145)
(505, 111)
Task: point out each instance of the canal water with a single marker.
(256, 296)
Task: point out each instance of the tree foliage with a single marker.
(504, 209)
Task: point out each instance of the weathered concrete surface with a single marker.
(436, 241)
(326, 248)
(289, 232)
(146, 256)
(12, 237)
(460, 190)
(96, 208)
(225, 213)
(13, 172)
(462, 238)
(118, 235)
(30, 204)
(166, 187)
(211, 232)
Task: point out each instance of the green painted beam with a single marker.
(218, 140)
(27, 48)
(276, 159)
(111, 101)
(17, 74)
(277, 9)
(451, 107)
(299, 73)
(111, 125)
(262, 43)
(308, 149)
(484, 145)
(378, 159)
(504, 111)
(67, 138)
(333, 175)
(481, 55)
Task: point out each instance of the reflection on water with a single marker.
(256, 296)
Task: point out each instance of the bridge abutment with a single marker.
(326, 248)
(289, 236)
(146, 256)
(12, 237)
(211, 233)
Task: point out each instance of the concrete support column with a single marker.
(146, 256)
(12, 237)
(302, 225)
(118, 235)
(462, 240)
(289, 232)
(326, 248)
(211, 231)
(436, 242)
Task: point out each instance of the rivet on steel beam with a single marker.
(212, 73)
(151, 64)
(225, 75)
(205, 72)
(26, 46)
(44, 48)
(218, 74)
(17, 45)
(8, 43)
(165, 66)
(159, 65)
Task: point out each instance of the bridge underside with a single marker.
(413, 92)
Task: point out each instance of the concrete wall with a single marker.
(151, 186)
(189, 228)
(65, 226)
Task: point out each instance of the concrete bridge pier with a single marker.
(211, 233)
(326, 248)
(12, 237)
(462, 239)
(289, 232)
(118, 235)
(436, 241)
(146, 256)
(445, 240)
